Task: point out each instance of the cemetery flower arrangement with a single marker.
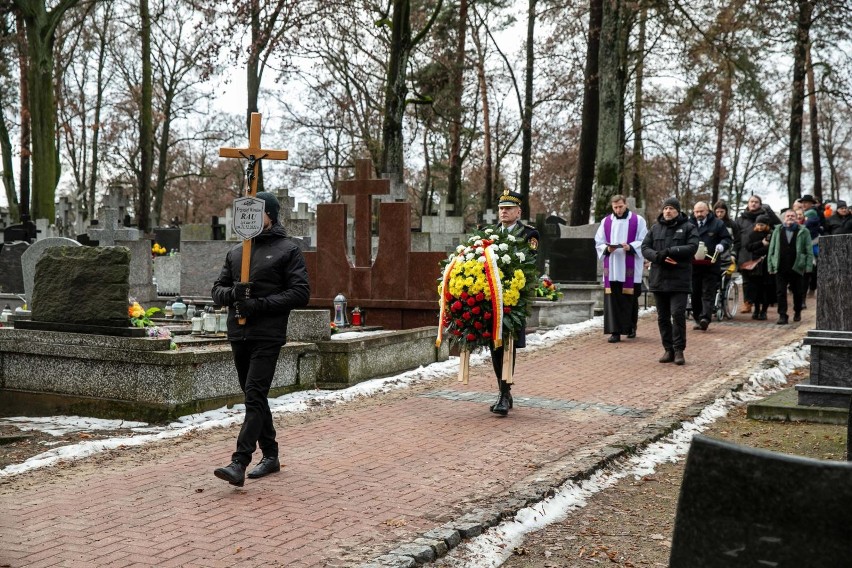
(158, 249)
(486, 289)
(547, 290)
(140, 317)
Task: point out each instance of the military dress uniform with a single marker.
(531, 235)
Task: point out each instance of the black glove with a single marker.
(661, 256)
(241, 291)
(245, 308)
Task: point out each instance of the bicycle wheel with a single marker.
(731, 303)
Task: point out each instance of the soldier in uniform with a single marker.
(510, 222)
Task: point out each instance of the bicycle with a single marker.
(727, 301)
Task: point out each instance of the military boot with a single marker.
(508, 395)
(504, 402)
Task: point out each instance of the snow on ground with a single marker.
(492, 548)
(301, 401)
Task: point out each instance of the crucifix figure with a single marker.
(254, 154)
(363, 187)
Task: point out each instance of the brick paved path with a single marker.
(361, 478)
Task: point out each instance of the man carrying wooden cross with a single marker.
(278, 283)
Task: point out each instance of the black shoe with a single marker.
(508, 397)
(614, 338)
(667, 357)
(702, 325)
(696, 326)
(797, 316)
(502, 406)
(235, 474)
(632, 334)
(755, 315)
(762, 316)
(678, 358)
(782, 320)
(269, 464)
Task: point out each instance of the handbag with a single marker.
(751, 264)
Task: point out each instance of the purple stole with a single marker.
(630, 260)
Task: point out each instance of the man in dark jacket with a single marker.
(278, 284)
(706, 272)
(840, 223)
(670, 246)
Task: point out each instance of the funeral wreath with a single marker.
(486, 289)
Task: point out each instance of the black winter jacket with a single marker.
(677, 239)
(837, 225)
(714, 232)
(746, 222)
(279, 281)
(757, 249)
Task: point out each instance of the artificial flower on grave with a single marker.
(158, 249)
(140, 317)
(486, 289)
(547, 290)
(334, 328)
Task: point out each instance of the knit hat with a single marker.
(811, 214)
(272, 206)
(840, 203)
(672, 202)
(762, 219)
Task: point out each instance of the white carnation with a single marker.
(481, 259)
(469, 256)
(506, 259)
(504, 246)
(460, 249)
(480, 251)
(511, 238)
(477, 243)
(520, 256)
(489, 231)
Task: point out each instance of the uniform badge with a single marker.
(534, 243)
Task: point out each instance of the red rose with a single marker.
(477, 324)
(507, 310)
(456, 306)
(464, 295)
(480, 297)
(471, 337)
(486, 335)
(456, 332)
(475, 310)
(471, 301)
(460, 323)
(487, 315)
(467, 315)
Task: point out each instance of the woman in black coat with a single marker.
(763, 284)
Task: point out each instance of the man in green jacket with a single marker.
(790, 257)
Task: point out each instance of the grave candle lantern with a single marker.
(179, 308)
(356, 316)
(340, 311)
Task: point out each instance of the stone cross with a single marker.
(489, 217)
(363, 187)
(254, 154)
(109, 230)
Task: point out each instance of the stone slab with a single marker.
(834, 301)
(81, 328)
(201, 262)
(784, 406)
(11, 271)
(30, 258)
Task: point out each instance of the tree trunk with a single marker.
(638, 158)
(801, 39)
(26, 127)
(815, 153)
(99, 103)
(610, 130)
(146, 122)
(163, 158)
(526, 119)
(588, 146)
(724, 111)
(454, 175)
(488, 173)
(254, 75)
(6, 165)
(396, 90)
(425, 198)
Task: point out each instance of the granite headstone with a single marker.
(11, 272)
(30, 258)
(573, 260)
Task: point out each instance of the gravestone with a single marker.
(141, 279)
(168, 238)
(744, 507)
(167, 273)
(200, 264)
(24, 231)
(830, 382)
(11, 272)
(82, 286)
(489, 217)
(108, 230)
(43, 229)
(573, 260)
(30, 258)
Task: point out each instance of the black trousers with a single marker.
(255, 362)
(794, 280)
(671, 319)
(621, 311)
(705, 282)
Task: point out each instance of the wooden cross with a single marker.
(254, 153)
(363, 187)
